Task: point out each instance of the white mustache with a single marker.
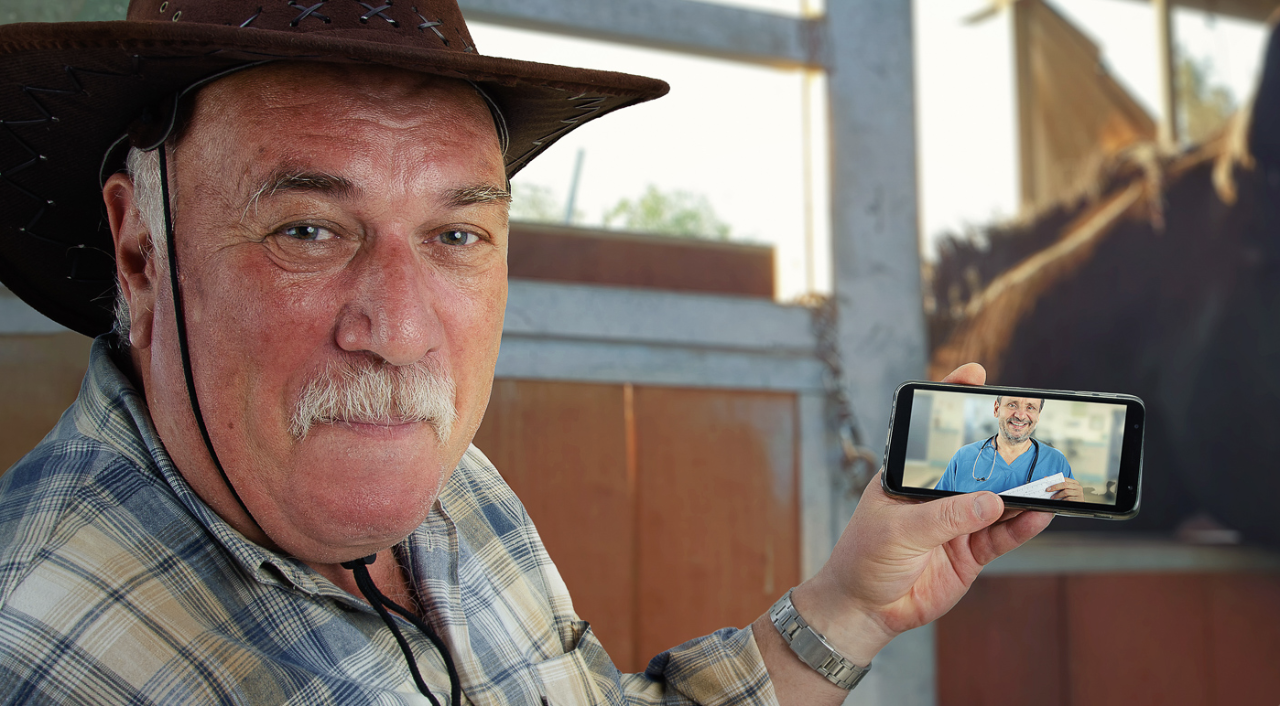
(376, 393)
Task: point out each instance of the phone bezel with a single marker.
(1129, 480)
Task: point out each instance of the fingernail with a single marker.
(985, 505)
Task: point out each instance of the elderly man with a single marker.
(1011, 458)
(266, 491)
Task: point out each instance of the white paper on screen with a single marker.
(1036, 489)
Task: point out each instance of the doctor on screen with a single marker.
(1010, 458)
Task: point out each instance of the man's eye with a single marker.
(458, 237)
(307, 233)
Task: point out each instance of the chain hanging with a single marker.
(857, 463)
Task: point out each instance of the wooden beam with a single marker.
(1167, 127)
(1254, 10)
(1026, 98)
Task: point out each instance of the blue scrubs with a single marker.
(962, 471)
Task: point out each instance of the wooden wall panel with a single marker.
(562, 448)
(1160, 639)
(718, 515)
(567, 254)
(1139, 639)
(1244, 613)
(41, 377)
(670, 512)
(1004, 643)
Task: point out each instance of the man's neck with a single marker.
(387, 574)
(1010, 450)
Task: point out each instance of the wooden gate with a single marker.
(670, 512)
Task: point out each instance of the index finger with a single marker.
(1003, 537)
(968, 374)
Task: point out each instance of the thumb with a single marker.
(942, 520)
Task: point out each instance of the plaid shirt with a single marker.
(119, 585)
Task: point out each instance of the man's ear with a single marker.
(135, 261)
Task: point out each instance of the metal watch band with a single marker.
(812, 647)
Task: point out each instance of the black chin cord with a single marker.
(381, 603)
(364, 581)
(180, 319)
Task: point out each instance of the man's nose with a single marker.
(391, 313)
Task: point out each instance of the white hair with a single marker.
(144, 170)
(372, 391)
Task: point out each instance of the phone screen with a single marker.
(1014, 445)
(1037, 448)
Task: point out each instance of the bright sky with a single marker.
(729, 131)
(733, 132)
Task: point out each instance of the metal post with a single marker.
(572, 202)
(876, 257)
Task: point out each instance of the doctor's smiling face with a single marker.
(1017, 417)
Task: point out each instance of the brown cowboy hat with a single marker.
(70, 91)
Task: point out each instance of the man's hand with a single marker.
(899, 564)
(1068, 489)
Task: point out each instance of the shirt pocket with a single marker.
(567, 680)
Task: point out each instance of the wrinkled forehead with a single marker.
(313, 92)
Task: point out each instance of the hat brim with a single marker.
(69, 91)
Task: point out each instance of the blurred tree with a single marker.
(668, 212)
(65, 11)
(538, 204)
(1203, 104)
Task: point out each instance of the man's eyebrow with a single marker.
(289, 179)
(480, 194)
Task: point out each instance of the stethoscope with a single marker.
(996, 452)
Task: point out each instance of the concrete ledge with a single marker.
(1093, 554)
(595, 361)
(605, 334)
(706, 322)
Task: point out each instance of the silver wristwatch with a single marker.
(812, 647)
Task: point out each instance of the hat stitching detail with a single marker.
(308, 12)
(434, 26)
(247, 22)
(73, 254)
(591, 105)
(32, 93)
(429, 24)
(377, 12)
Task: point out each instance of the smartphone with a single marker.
(1071, 453)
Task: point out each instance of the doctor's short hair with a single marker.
(1042, 401)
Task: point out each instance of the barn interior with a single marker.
(690, 439)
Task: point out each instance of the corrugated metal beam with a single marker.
(675, 25)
